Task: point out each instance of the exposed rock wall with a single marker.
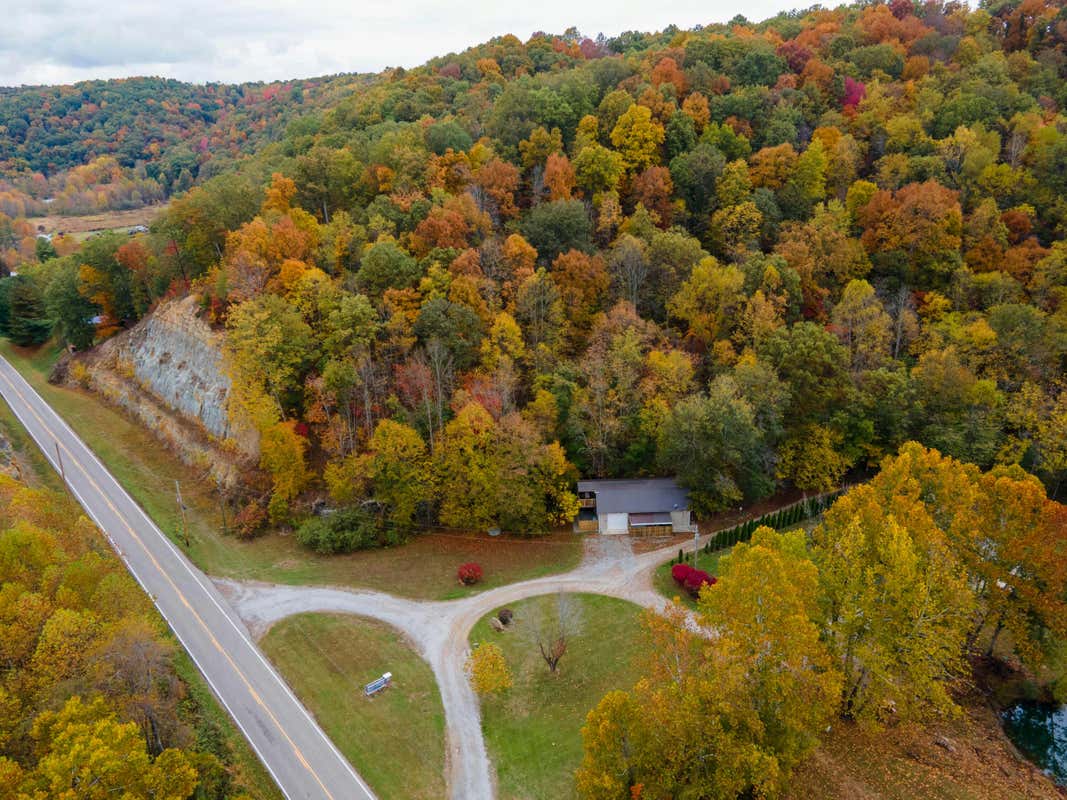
(167, 371)
(9, 464)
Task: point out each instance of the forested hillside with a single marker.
(752, 255)
(125, 143)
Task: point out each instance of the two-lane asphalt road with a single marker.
(303, 761)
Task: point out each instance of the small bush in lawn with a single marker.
(695, 579)
(488, 670)
(680, 572)
(505, 616)
(469, 574)
(250, 520)
(346, 530)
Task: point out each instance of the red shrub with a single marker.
(680, 572)
(469, 574)
(695, 579)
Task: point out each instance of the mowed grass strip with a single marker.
(396, 739)
(533, 730)
(36, 471)
(148, 470)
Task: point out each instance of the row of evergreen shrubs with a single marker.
(782, 518)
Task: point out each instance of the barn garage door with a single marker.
(618, 523)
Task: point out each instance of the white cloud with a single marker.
(61, 41)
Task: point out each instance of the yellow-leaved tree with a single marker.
(89, 755)
(684, 730)
(638, 137)
(395, 470)
(281, 453)
(765, 612)
(727, 714)
(487, 669)
(897, 607)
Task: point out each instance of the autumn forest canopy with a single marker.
(825, 247)
(120, 144)
(91, 704)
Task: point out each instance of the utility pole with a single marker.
(59, 459)
(181, 507)
(222, 503)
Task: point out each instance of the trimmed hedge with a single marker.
(782, 518)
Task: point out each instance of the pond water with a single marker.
(1040, 731)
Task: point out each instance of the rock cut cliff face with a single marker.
(167, 371)
(177, 357)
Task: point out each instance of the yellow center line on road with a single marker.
(122, 518)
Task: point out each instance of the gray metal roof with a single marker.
(636, 496)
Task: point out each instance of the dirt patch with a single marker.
(646, 544)
(967, 757)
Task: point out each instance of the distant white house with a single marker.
(649, 506)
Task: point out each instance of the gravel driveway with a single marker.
(439, 630)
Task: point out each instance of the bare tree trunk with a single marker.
(552, 635)
(996, 634)
(972, 637)
(442, 370)
(553, 653)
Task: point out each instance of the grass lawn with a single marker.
(83, 226)
(148, 470)
(663, 583)
(533, 730)
(396, 740)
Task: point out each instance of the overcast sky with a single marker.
(61, 41)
